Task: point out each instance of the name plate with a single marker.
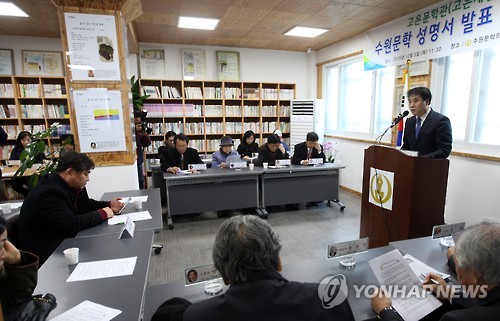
(128, 230)
(283, 162)
(315, 161)
(346, 248)
(197, 167)
(446, 230)
(238, 165)
(200, 274)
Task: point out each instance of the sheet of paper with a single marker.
(16, 205)
(88, 311)
(134, 198)
(136, 216)
(392, 269)
(420, 268)
(103, 269)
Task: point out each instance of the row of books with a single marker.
(194, 128)
(8, 111)
(170, 92)
(275, 94)
(213, 110)
(213, 92)
(29, 90)
(152, 91)
(57, 111)
(34, 128)
(269, 111)
(12, 130)
(6, 151)
(251, 93)
(233, 111)
(32, 111)
(6, 90)
(193, 93)
(173, 110)
(232, 93)
(54, 90)
(214, 128)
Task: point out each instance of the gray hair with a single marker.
(478, 249)
(245, 244)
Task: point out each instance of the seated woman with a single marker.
(248, 145)
(18, 274)
(19, 184)
(225, 150)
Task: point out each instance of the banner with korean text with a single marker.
(443, 29)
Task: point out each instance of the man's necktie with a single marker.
(419, 125)
(183, 163)
(309, 153)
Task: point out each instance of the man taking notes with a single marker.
(427, 132)
(181, 156)
(59, 207)
(303, 152)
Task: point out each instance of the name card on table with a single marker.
(283, 162)
(128, 230)
(197, 167)
(238, 165)
(200, 274)
(315, 161)
(446, 230)
(346, 248)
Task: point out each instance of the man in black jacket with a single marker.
(246, 253)
(307, 150)
(271, 151)
(180, 157)
(59, 207)
(427, 132)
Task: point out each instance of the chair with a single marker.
(13, 229)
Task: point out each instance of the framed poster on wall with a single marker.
(228, 65)
(152, 63)
(42, 63)
(7, 62)
(193, 64)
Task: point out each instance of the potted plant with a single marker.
(137, 98)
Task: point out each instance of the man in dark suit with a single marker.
(307, 150)
(427, 132)
(246, 253)
(271, 151)
(181, 156)
(476, 261)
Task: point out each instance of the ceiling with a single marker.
(243, 23)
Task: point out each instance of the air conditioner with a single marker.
(307, 115)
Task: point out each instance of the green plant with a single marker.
(29, 157)
(137, 99)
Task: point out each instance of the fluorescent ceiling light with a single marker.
(305, 32)
(197, 23)
(10, 9)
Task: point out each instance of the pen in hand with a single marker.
(432, 280)
(124, 205)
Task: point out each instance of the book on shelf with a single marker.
(253, 126)
(8, 111)
(270, 93)
(170, 92)
(198, 144)
(177, 127)
(60, 130)
(29, 90)
(172, 110)
(152, 91)
(193, 93)
(232, 93)
(54, 90)
(6, 90)
(154, 110)
(250, 111)
(286, 94)
(194, 128)
(213, 110)
(214, 128)
(285, 111)
(268, 126)
(34, 128)
(233, 111)
(57, 111)
(251, 93)
(269, 111)
(32, 111)
(6, 152)
(213, 92)
(12, 131)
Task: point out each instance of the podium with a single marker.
(418, 195)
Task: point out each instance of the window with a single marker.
(470, 81)
(359, 104)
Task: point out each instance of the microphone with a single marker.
(399, 118)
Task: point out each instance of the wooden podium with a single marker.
(418, 195)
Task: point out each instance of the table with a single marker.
(125, 293)
(429, 251)
(308, 271)
(213, 189)
(300, 184)
(153, 205)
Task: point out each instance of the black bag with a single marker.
(38, 308)
(171, 310)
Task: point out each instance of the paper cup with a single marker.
(6, 208)
(251, 166)
(71, 255)
(138, 205)
(265, 165)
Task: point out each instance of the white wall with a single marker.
(473, 185)
(256, 65)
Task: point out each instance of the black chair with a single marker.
(13, 229)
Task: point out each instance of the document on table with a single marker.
(16, 205)
(391, 269)
(136, 216)
(103, 269)
(420, 268)
(134, 198)
(88, 311)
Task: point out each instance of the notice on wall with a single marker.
(99, 120)
(93, 47)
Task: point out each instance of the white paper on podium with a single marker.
(392, 269)
(134, 198)
(420, 268)
(136, 216)
(103, 269)
(88, 311)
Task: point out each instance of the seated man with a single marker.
(278, 133)
(67, 142)
(476, 261)
(271, 151)
(181, 156)
(307, 150)
(246, 253)
(59, 207)
(18, 274)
